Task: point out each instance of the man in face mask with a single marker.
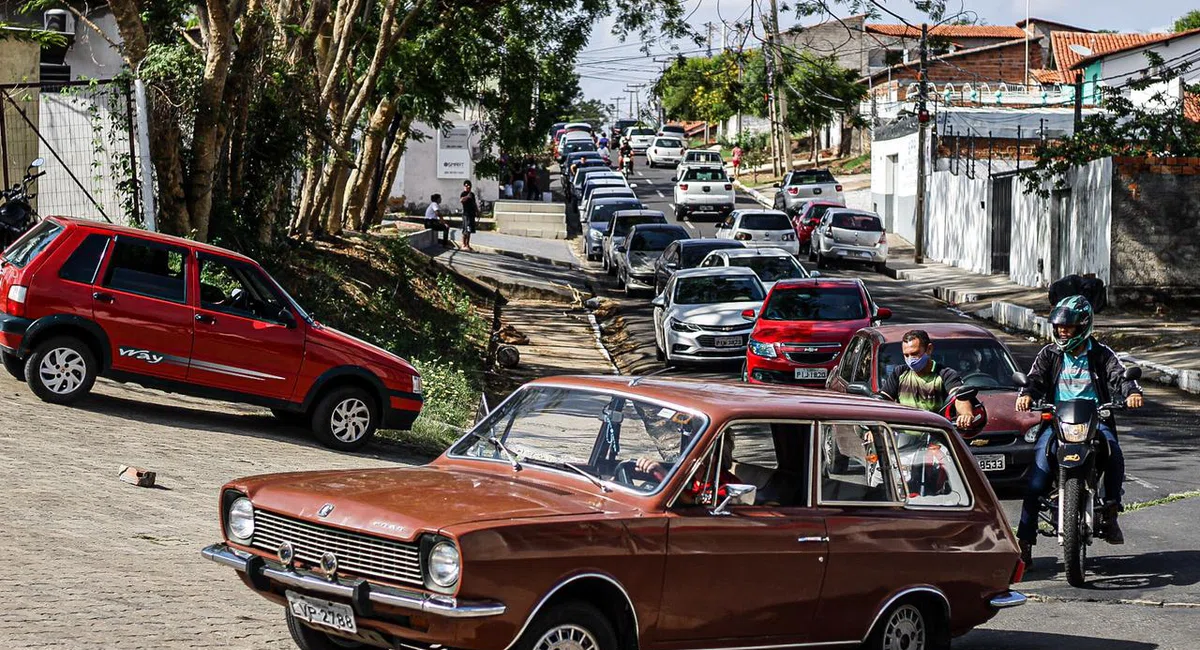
(923, 383)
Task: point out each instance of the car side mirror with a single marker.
(37, 162)
(883, 313)
(621, 249)
(732, 179)
(1020, 379)
(1133, 373)
(814, 274)
(285, 316)
(749, 314)
(672, 265)
(736, 494)
(967, 394)
(659, 301)
(860, 389)
(776, 185)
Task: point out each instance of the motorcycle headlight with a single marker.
(1074, 432)
(680, 326)
(764, 350)
(787, 236)
(1031, 434)
(239, 520)
(444, 564)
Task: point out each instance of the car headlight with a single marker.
(239, 520)
(444, 564)
(1074, 432)
(680, 326)
(764, 350)
(1031, 434)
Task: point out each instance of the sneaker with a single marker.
(1113, 535)
(1026, 553)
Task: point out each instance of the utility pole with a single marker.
(922, 138)
(1078, 99)
(630, 92)
(708, 39)
(769, 60)
(781, 108)
(616, 107)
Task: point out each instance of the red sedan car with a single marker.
(803, 327)
(805, 220)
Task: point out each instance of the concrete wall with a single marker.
(91, 56)
(19, 63)
(417, 177)
(895, 158)
(531, 219)
(1156, 226)
(1029, 255)
(959, 226)
(1117, 69)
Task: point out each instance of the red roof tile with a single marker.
(1047, 76)
(1090, 44)
(1191, 107)
(1157, 38)
(949, 31)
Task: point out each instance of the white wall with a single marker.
(1116, 69)
(417, 177)
(902, 221)
(91, 56)
(958, 224)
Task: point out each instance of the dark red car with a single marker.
(1004, 449)
(807, 217)
(82, 299)
(803, 326)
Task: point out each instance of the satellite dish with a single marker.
(1081, 50)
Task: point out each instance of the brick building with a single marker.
(1002, 62)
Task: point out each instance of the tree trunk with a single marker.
(369, 160)
(239, 91)
(379, 207)
(165, 139)
(333, 218)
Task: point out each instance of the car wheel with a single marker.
(621, 283)
(569, 626)
(680, 212)
(61, 370)
(14, 365)
(307, 638)
(345, 419)
(909, 625)
(822, 262)
(812, 252)
(610, 268)
(745, 373)
(881, 267)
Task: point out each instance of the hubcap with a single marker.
(350, 420)
(567, 637)
(905, 630)
(62, 371)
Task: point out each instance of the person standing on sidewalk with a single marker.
(531, 184)
(434, 220)
(470, 209)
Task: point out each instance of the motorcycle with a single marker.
(1074, 509)
(626, 163)
(16, 214)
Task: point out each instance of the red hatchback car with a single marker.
(803, 327)
(80, 299)
(807, 217)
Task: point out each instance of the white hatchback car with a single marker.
(760, 228)
(850, 235)
(665, 151)
(770, 264)
(706, 314)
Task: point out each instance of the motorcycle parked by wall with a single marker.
(17, 214)
(1074, 509)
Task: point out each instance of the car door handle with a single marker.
(821, 540)
(206, 319)
(102, 297)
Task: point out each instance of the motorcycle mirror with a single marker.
(967, 393)
(1020, 379)
(37, 162)
(1133, 373)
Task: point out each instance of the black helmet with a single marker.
(1072, 310)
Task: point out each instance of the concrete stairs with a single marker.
(531, 219)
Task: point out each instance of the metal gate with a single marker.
(1001, 223)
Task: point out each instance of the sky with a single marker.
(607, 67)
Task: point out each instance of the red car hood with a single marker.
(807, 331)
(402, 502)
(338, 340)
(1002, 414)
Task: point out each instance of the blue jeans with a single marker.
(1042, 475)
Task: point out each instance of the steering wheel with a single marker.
(627, 472)
(982, 380)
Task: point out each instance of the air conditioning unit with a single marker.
(58, 20)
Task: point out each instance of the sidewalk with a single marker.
(555, 252)
(561, 340)
(514, 277)
(1164, 346)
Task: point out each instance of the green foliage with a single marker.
(22, 34)
(702, 88)
(818, 89)
(592, 111)
(1188, 21)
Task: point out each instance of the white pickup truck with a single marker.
(703, 191)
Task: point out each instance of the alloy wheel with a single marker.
(62, 371)
(905, 629)
(567, 637)
(350, 420)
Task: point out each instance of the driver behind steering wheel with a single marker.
(701, 482)
(923, 383)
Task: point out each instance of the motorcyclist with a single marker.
(1075, 366)
(626, 155)
(922, 383)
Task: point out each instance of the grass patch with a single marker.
(376, 288)
(857, 165)
(1170, 498)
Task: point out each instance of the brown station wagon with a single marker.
(609, 513)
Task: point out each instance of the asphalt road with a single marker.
(1118, 610)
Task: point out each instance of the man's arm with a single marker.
(953, 383)
(1114, 372)
(890, 386)
(1038, 376)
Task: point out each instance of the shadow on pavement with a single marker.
(1008, 640)
(1144, 571)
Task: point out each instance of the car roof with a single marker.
(606, 199)
(576, 135)
(146, 234)
(658, 226)
(637, 213)
(845, 210)
(578, 125)
(936, 331)
(766, 251)
(746, 211)
(723, 271)
(818, 283)
(724, 400)
(604, 179)
(713, 243)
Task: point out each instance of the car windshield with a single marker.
(583, 173)
(592, 186)
(704, 156)
(771, 269)
(982, 363)
(668, 143)
(574, 430)
(655, 240)
(863, 222)
(811, 177)
(603, 212)
(693, 255)
(579, 145)
(622, 225)
(715, 289)
(815, 303)
(768, 221)
(709, 175)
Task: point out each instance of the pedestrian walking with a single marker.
(434, 220)
(470, 207)
(737, 159)
(531, 184)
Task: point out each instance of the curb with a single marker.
(526, 256)
(754, 194)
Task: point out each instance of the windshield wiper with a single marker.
(512, 458)
(582, 472)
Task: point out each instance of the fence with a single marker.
(84, 131)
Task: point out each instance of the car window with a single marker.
(602, 213)
(816, 304)
(850, 359)
(668, 143)
(148, 269)
(928, 468)
(655, 240)
(770, 269)
(25, 249)
(771, 456)
(811, 177)
(712, 260)
(863, 222)
(711, 290)
(231, 287)
(768, 221)
(84, 261)
(982, 363)
(816, 212)
(705, 175)
(695, 253)
(855, 464)
(862, 365)
(641, 131)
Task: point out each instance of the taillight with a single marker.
(742, 236)
(1018, 573)
(14, 303)
(793, 191)
(1047, 416)
(728, 186)
(683, 186)
(883, 238)
(839, 188)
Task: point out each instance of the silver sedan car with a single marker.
(706, 314)
(849, 235)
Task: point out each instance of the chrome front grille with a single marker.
(811, 353)
(725, 328)
(363, 555)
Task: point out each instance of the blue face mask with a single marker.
(918, 363)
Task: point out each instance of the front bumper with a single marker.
(640, 279)
(701, 346)
(401, 416)
(1008, 599)
(359, 593)
(595, 244)
(761, 370)
(1018, 456)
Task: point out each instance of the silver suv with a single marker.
(807, 185)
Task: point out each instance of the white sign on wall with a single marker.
(454, 152)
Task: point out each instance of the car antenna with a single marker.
(637, 380)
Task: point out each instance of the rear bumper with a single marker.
(856, 253)
(792, 247)
(12, 332)
(1008, 599)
